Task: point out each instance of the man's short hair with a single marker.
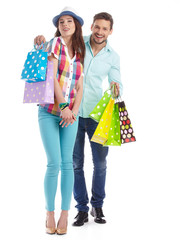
(104, 15)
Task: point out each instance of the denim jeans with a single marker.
(99, 154)
(58, 143)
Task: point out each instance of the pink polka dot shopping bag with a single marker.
(41, 92)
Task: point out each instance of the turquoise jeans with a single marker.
(58, 143)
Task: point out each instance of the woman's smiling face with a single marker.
(66, 26)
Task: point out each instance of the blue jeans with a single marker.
(99, 153)
(58, 143)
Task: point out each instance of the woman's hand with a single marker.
(75, 113)
(39, 39)
(67, 117)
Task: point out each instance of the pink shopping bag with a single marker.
(41, 92)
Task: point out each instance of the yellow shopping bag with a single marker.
(101, 132)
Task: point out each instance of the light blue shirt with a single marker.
(96, 69)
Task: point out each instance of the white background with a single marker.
(145, 180)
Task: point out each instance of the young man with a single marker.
(101, 61)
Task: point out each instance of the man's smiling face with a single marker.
(100, 31)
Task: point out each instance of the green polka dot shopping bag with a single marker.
(98, 111)
(101, 133)
(114, 138)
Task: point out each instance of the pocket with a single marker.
(42, 113)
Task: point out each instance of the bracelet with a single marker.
(62, 106)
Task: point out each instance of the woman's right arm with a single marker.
(67, 115)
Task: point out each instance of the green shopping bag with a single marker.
(98, 111)
(114, 138)
(101, 133)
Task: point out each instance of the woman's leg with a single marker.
(67, 140)
(49, 130)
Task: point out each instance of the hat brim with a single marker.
(56, 18)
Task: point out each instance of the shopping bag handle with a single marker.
(110, 88)
(38, 47)
(113, 92)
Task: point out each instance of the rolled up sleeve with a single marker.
(114, 73)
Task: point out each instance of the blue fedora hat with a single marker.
(68, 11)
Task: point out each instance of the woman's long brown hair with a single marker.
(77, 41)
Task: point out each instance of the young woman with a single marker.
(58, 122)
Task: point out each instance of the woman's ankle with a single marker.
(64, 213)
(62, 222)
(50, 219)
(50, 213)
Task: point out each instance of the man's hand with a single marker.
(116, 91)
(39, 39)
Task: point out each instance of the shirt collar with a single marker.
(107, 46)
(64, 44)
(62, 40)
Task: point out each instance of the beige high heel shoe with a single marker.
(61, 231)
(50, 230)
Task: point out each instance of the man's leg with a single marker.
(99, 154)
(80, 191)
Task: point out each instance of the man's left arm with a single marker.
(114, 76)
